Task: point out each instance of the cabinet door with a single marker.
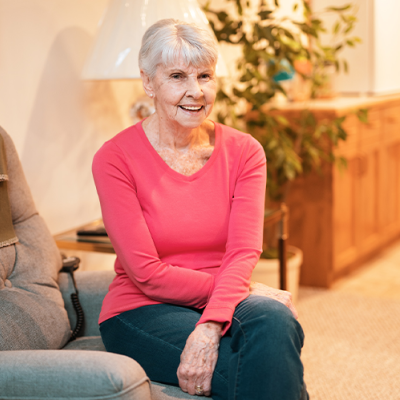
(390, 174)
(368, 187)
(344, 198)
(344, 223)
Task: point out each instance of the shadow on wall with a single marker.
(70, 120)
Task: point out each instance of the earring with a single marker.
(151, 95)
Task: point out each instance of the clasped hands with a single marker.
(200, 354)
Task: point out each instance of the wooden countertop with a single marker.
(338, 104)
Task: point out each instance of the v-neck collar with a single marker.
(171, 171)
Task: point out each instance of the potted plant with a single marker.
(273, 51)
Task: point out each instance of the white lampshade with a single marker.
(114, 54)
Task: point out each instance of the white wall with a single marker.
(359, 58)
(387, 45)
(56, 120)
(375, 63)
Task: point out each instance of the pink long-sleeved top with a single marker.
(185, 240)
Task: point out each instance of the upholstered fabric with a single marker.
(22, 205)
(59, 374)
(159, 391)
(7, 233)
(92, 343)
(32, 309)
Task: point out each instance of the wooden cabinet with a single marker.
(343, 218)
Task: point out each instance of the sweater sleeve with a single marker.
(245, 238)
(132, 241)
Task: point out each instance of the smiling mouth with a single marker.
(193, 109)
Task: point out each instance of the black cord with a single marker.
(80, 318)
(71, 264)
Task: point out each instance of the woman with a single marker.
(182, 199)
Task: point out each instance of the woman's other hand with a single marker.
(199, 358)
(282, 296)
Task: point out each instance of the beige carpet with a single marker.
(352, 346)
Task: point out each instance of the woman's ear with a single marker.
(147, 84)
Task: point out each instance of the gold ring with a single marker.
(199, 390)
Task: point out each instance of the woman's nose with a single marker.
(194, 88)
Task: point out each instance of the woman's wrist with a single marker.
(213, 326)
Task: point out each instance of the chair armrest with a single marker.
(71, 374)
(92, 287)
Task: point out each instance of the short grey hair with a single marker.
(167, 39)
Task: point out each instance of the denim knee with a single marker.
(266, 345)
(264, 317)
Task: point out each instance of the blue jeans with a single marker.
(258, 358)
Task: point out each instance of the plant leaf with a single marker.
(265, 14)
(362, 115)
(222, 16)
(338, 9)
(239, 7)
(282, 120)
(349, 29)
(345, 66)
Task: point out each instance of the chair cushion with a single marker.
(32, 309)
(93, 343)
(160, 391)
(59, 374)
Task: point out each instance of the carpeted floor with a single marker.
(352, 345)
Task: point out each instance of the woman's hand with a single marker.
(282, 296)
(199, 358)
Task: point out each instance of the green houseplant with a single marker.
(271, 47)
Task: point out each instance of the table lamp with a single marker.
(114, 54)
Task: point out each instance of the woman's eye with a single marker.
(205, 76)
(176, 76)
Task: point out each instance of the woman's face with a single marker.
(184, 95)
